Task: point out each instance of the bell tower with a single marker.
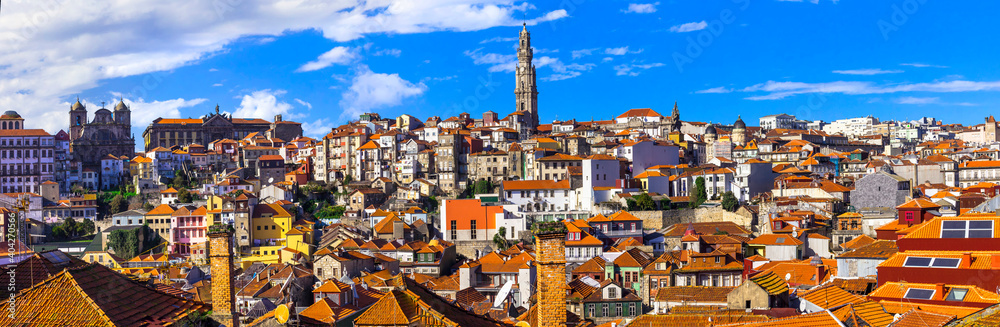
(77, 118)
(525, 91)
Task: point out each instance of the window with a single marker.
(612, 293)
(472, 230)
(717, 259)
(931, 262)
(956, 294)
(919, 294)
(604, 310)
(618, 310)
(909, 216)
(590, 310)
(967, 229)
(454, 229)
(631, 309)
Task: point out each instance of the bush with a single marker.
(645, 202)
(729, 202)
(699, 196)
(330, 212)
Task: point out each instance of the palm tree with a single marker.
(499, 238)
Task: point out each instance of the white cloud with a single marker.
(62, 48)
(388, 52)
(317, 128)
(634, 69)
(304, 104)
(498, 39)
(616, 51)
(867, 71)
(561, 71)
(641, 8)
(689, 27)
(337, 55)
(779, 90)
(265, 104)
(212, 70)
(217, 84)
(498, 62)
(720, 89)
(370, 90)
(917, 100)
(577, 54)
(920, 65)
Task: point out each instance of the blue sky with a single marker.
(322, 64)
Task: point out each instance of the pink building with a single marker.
(187, 228)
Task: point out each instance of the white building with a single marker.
(540, 200)
(852, 126)
(785, 121)
(751, 178)
(599, 174)
(645, 154)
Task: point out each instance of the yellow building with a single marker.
(103, 258)
(269, 227)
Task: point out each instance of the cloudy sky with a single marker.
(324, 62)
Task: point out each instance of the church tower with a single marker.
(77, 118)
(123, 117)
(526, 93)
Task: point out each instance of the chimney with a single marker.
(820, 273)
(551, 240)
(966, 260)
(221, 258)
(939, 292)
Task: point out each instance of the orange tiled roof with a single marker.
(830, 296)
(94, 295)
(817, 319)
(920, 318)
(868, 313)
(770, 282)
(639, 112)
(776, 239)
(932, 228)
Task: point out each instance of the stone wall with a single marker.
(468, 248)
(667, 218)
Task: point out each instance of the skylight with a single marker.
(967, 229)
(957, 294)
(919, 294)
(932, 262)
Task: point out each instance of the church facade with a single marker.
(108, 133)
(167, 132)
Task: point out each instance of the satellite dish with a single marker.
(788, 276)
(281, 314)
(270, 180)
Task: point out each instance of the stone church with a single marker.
(109, 133)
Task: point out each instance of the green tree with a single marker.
(184, 196)
(59, 233)
(432, 204)
(330, 212)
(347, 180)
(500, 238)
(77, 189)
(631, 205)
(665, 203)
(85, 227)
(645, 202)
(483, 187)
(180, 178)
(118, 204)
(147, 206)
(699, 195)
(69, 226)
(729, 201)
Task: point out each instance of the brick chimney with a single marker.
(220, 253)
(820, 273)
(966, 260)
(939, 292)
(551, 305)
